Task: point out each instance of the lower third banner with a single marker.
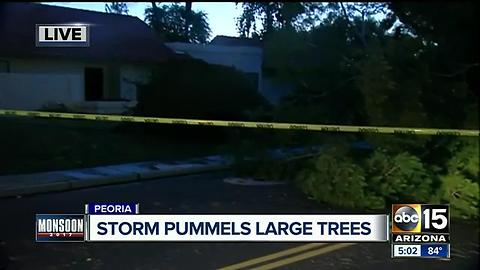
(238, 228)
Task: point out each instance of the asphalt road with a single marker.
(205, 193)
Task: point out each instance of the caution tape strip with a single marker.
(244, 124)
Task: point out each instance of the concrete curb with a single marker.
(20, 185)
(179, 172)
(100, 180)
(248, 181)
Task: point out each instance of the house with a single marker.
(99, 78)
(244, 54)
(247, 59)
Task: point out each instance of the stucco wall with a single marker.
(31, 84)
(32, 91)
(274, 90)
(246, 59)
(130, 75)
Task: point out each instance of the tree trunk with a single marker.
(269, 18)
(188, 16)
(353, 27)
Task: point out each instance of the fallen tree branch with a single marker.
(456, 73)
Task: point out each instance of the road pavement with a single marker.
(204, 193)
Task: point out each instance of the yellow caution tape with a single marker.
(244, 124)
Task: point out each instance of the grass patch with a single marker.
(36, 144)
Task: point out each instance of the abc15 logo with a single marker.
(420, 218)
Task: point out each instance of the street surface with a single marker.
(205, 193)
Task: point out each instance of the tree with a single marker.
(187, 17)
(117, 8)
(453, 42)
(170, 21)
(378, 64)
(449, 48)
(358, 17)
(405, 78)
(274, 15)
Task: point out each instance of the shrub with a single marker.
(348, 179)
(460, 186)
(191, 88)
(338, 177)
(465, 161)
(335, 179)
(399, 177)
(462, 195)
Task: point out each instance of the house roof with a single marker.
(183, 47)
(236, 41)
(112, 36)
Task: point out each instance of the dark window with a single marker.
(4, 66)
(93, 84)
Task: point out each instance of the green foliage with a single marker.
(170, 22)
(315, 63)
(460, 186)
(466, 159)
(462, 195)
(273, 15)
(117, 8)
(412, 68)
(450, 57)
(400, 177)
(427, 20)
(375, 83)
(349, 69)
(383, 179)
(333, 178)
(376, 180)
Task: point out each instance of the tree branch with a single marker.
(456, 73)
(345, 14)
